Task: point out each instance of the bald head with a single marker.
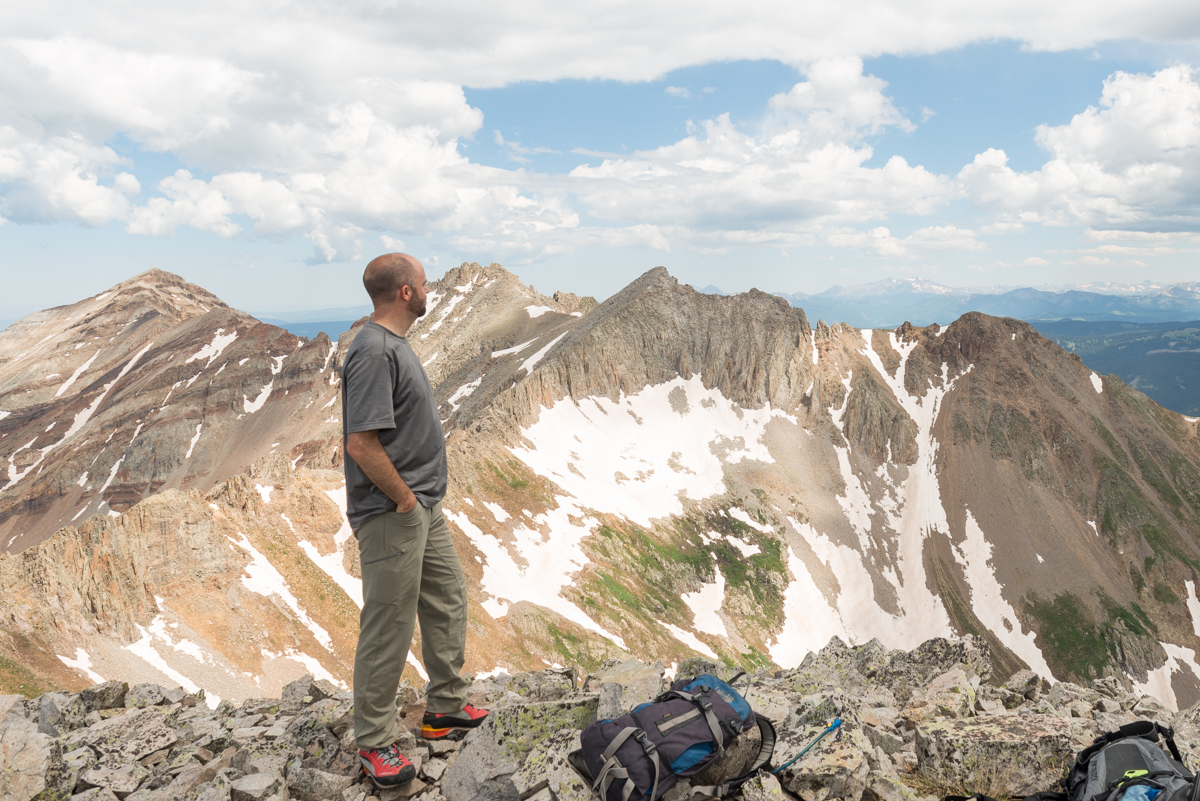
(387, 273)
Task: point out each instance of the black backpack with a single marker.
(680, 733)
(1125, 765)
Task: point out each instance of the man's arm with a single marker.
(364, 448)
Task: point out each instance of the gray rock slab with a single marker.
(640, 682)
(546, 768)
(121, 780)
(95, 794)
(107, 695)
(256, 787)
(60, 713)
(130, 736)
(1015, 753)
(762, 787)
(143, 695)
(492, 753)
(317, 785)
(30, 762)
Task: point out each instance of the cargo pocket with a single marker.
(386, 558)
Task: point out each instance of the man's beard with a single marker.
(416, 305)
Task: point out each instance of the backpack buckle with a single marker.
(645, 742)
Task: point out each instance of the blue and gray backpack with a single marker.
(645, 752)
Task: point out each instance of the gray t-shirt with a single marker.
(384, 388)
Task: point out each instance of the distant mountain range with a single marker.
(897, 300)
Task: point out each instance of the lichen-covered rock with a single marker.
(492, 753)
(143, 695)
(107, 695)
(316, 785)
(952, 694)
(130, 736)
(838, 768)
(546, 767)
(1018, 754)
(120, 779)
(60, 713)
(331, 715)
(256, 787)
(640, 682)
(762, 787)
(31, 762)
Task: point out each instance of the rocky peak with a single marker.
(151, 385)
(914, 725)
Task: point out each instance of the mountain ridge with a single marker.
(683, 473)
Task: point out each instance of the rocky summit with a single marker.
(662, 476)
(915, 725)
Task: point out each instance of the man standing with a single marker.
(395, 482)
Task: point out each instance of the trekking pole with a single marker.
(836, 723)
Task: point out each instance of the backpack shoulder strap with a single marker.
(761, 760)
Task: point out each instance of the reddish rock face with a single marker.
(155, 384)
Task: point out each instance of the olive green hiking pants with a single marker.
(410, 571)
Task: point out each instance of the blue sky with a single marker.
(757, 150)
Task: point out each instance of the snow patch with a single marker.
(1193, 606)
(738, 514)
(429, 361)
(331, 563)
(83, 663)
(532, 361)
(111, 475)
(706, 606)
(1097, 384)
(265, 492)
(536, 567)
(262, 578)
(496, 509)
(689, 639)
(412, 660)
(78, 372)
(278, 366)
(747, 549)
(134, 360)
(537, 311)
(974, 554)
(213, 349)
(1158, 681)
(641, 453)
(192, 445)
(462, 393)
(496, 354)
(251, 407)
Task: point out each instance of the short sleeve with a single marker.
(368, 381)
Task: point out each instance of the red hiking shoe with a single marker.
(434, 727)
(387, 767)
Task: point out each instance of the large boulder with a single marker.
(107, 695)
(547, 768)
(837, 768)
(31, 762)
(999, 755)
(130, 736)
(60, 713)
(638, 681)
(494, 752)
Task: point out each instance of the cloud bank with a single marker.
(344, 123)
